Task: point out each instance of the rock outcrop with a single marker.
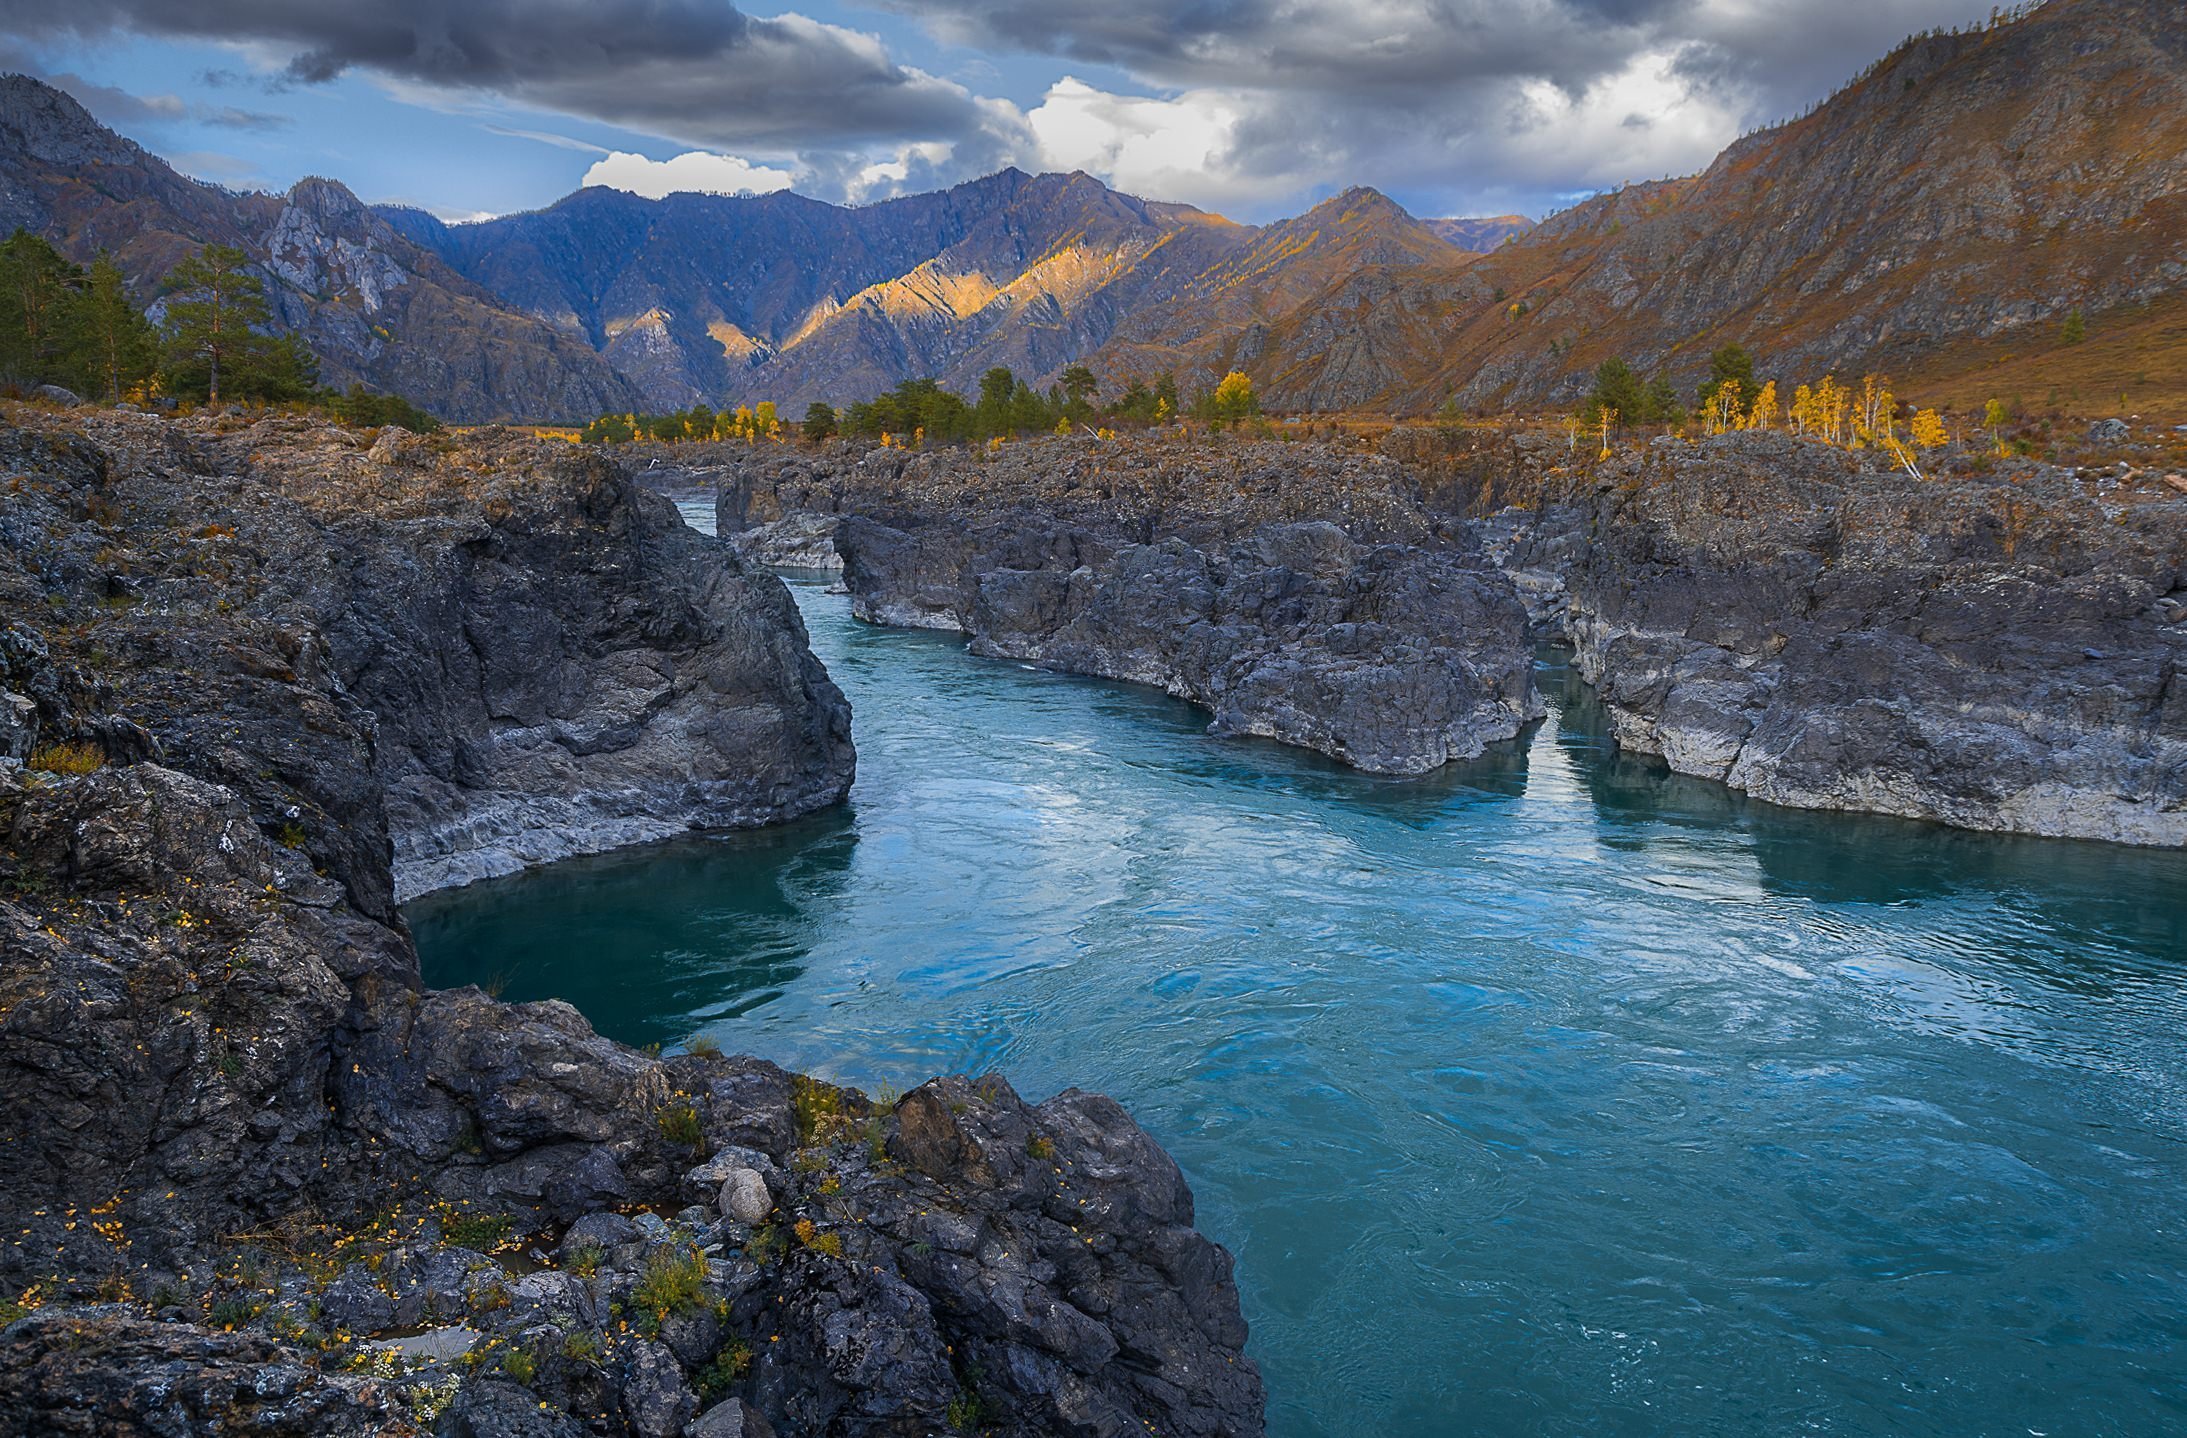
(258, 1178)
(1297, 593)
(1994, 647)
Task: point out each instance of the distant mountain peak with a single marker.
(50, 125)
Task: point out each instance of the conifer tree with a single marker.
(38, 294)
(214, 336)
(118, 346)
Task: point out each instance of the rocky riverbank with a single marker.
(1296, 592)
(1999, 646)
(259, 1179)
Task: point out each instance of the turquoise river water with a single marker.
(1551, 1094)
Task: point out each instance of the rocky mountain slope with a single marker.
(1479, 234)
(1971, 185)
(376, 308)
(784, 298)
(260, 1180)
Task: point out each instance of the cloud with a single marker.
(1174, 149)
(1458, 103)
(560, 142)
(1459, 106)
(699, 71)
(693, 170)
(119, 108)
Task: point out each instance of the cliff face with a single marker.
(374, 306)
(1297, 595)
(556, 663)
(1993, 650)
(252, 1159)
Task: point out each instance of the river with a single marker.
(1550, 1094)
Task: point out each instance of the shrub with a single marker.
(519, 1365)
(481, 1232)
(815, 1107)
(680, 1124)
(727, 1368)
(810, 1235)
(69, 758)
(674, 1281)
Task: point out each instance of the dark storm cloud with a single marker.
(1461, 97)
(692, 70)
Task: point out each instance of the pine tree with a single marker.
(819, 421)
(118, 347)
(1729, 364)
(38, 294)
(214, 337)
(1617, 392)
(1079, 387)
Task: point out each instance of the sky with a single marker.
(1254, 108)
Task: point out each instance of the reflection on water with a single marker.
(1551, 1094)
(691, 930)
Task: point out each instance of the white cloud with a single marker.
(1644, 121)
(698, 170)
(1166, 149)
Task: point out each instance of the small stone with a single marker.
(744, 1196)
(730, 1419)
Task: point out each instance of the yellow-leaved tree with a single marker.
(1234, 397)
(1764, 413)
(1927, 430)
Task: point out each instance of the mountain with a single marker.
(698, 297)
(374, 306)
(1268, 279)
(1944, 212)
(1481, 234)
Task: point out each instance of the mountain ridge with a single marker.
(1968, 190)
(1969, 185)
(376, 308)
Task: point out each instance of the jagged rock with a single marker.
(105, 1370)
(2109, 431)
(220, 1079)
(733, 1419)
